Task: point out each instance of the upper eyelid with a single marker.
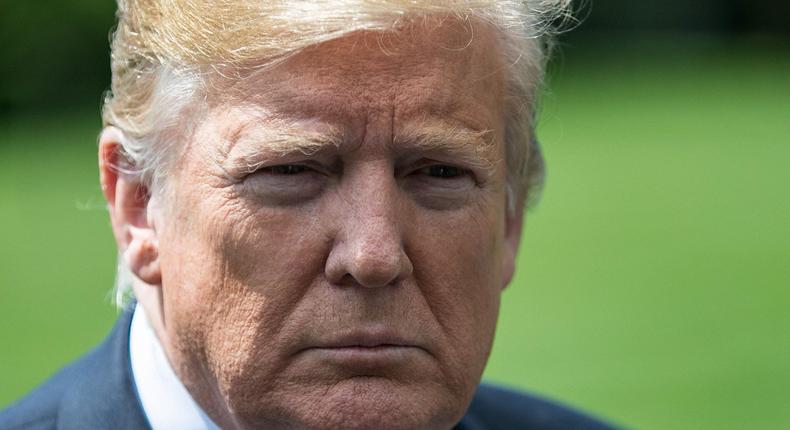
(426, 163)
(315, 165)
(460, 169)
(270, 170)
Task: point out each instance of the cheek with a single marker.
(230, 284)
(457, 261)
(225, 247)
(261, 246)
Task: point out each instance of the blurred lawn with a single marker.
(654, 278)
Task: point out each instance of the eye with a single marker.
(442, 171)
(285, 184)
(286, 169)
(440, 186)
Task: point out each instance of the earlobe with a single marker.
(128, 204)
(142, 255)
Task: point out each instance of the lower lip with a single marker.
(366, 356)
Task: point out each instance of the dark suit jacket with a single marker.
(98, 392)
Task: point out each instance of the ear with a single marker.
(513, 223)
(128, 202)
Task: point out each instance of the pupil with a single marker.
(444, 171)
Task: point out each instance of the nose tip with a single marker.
(380, 267)
(370, 255)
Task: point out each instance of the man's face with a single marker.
(335, 246)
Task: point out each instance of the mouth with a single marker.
(366, 349)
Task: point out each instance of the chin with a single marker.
(366, 402)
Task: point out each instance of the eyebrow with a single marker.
(426, 136)
(439, 136)
(286, 138)
(277, 140)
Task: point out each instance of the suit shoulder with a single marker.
(495, 407)
(39, 408)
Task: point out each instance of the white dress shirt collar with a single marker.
(166, 402)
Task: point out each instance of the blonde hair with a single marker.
(165, 51)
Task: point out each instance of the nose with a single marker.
(369, 249)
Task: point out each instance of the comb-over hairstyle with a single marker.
(166, 54)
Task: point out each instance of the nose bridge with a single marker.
(373, 232)
(372, 196)
(373, 227)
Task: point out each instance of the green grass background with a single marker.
(653, 283)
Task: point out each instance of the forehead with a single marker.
(451, 70)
